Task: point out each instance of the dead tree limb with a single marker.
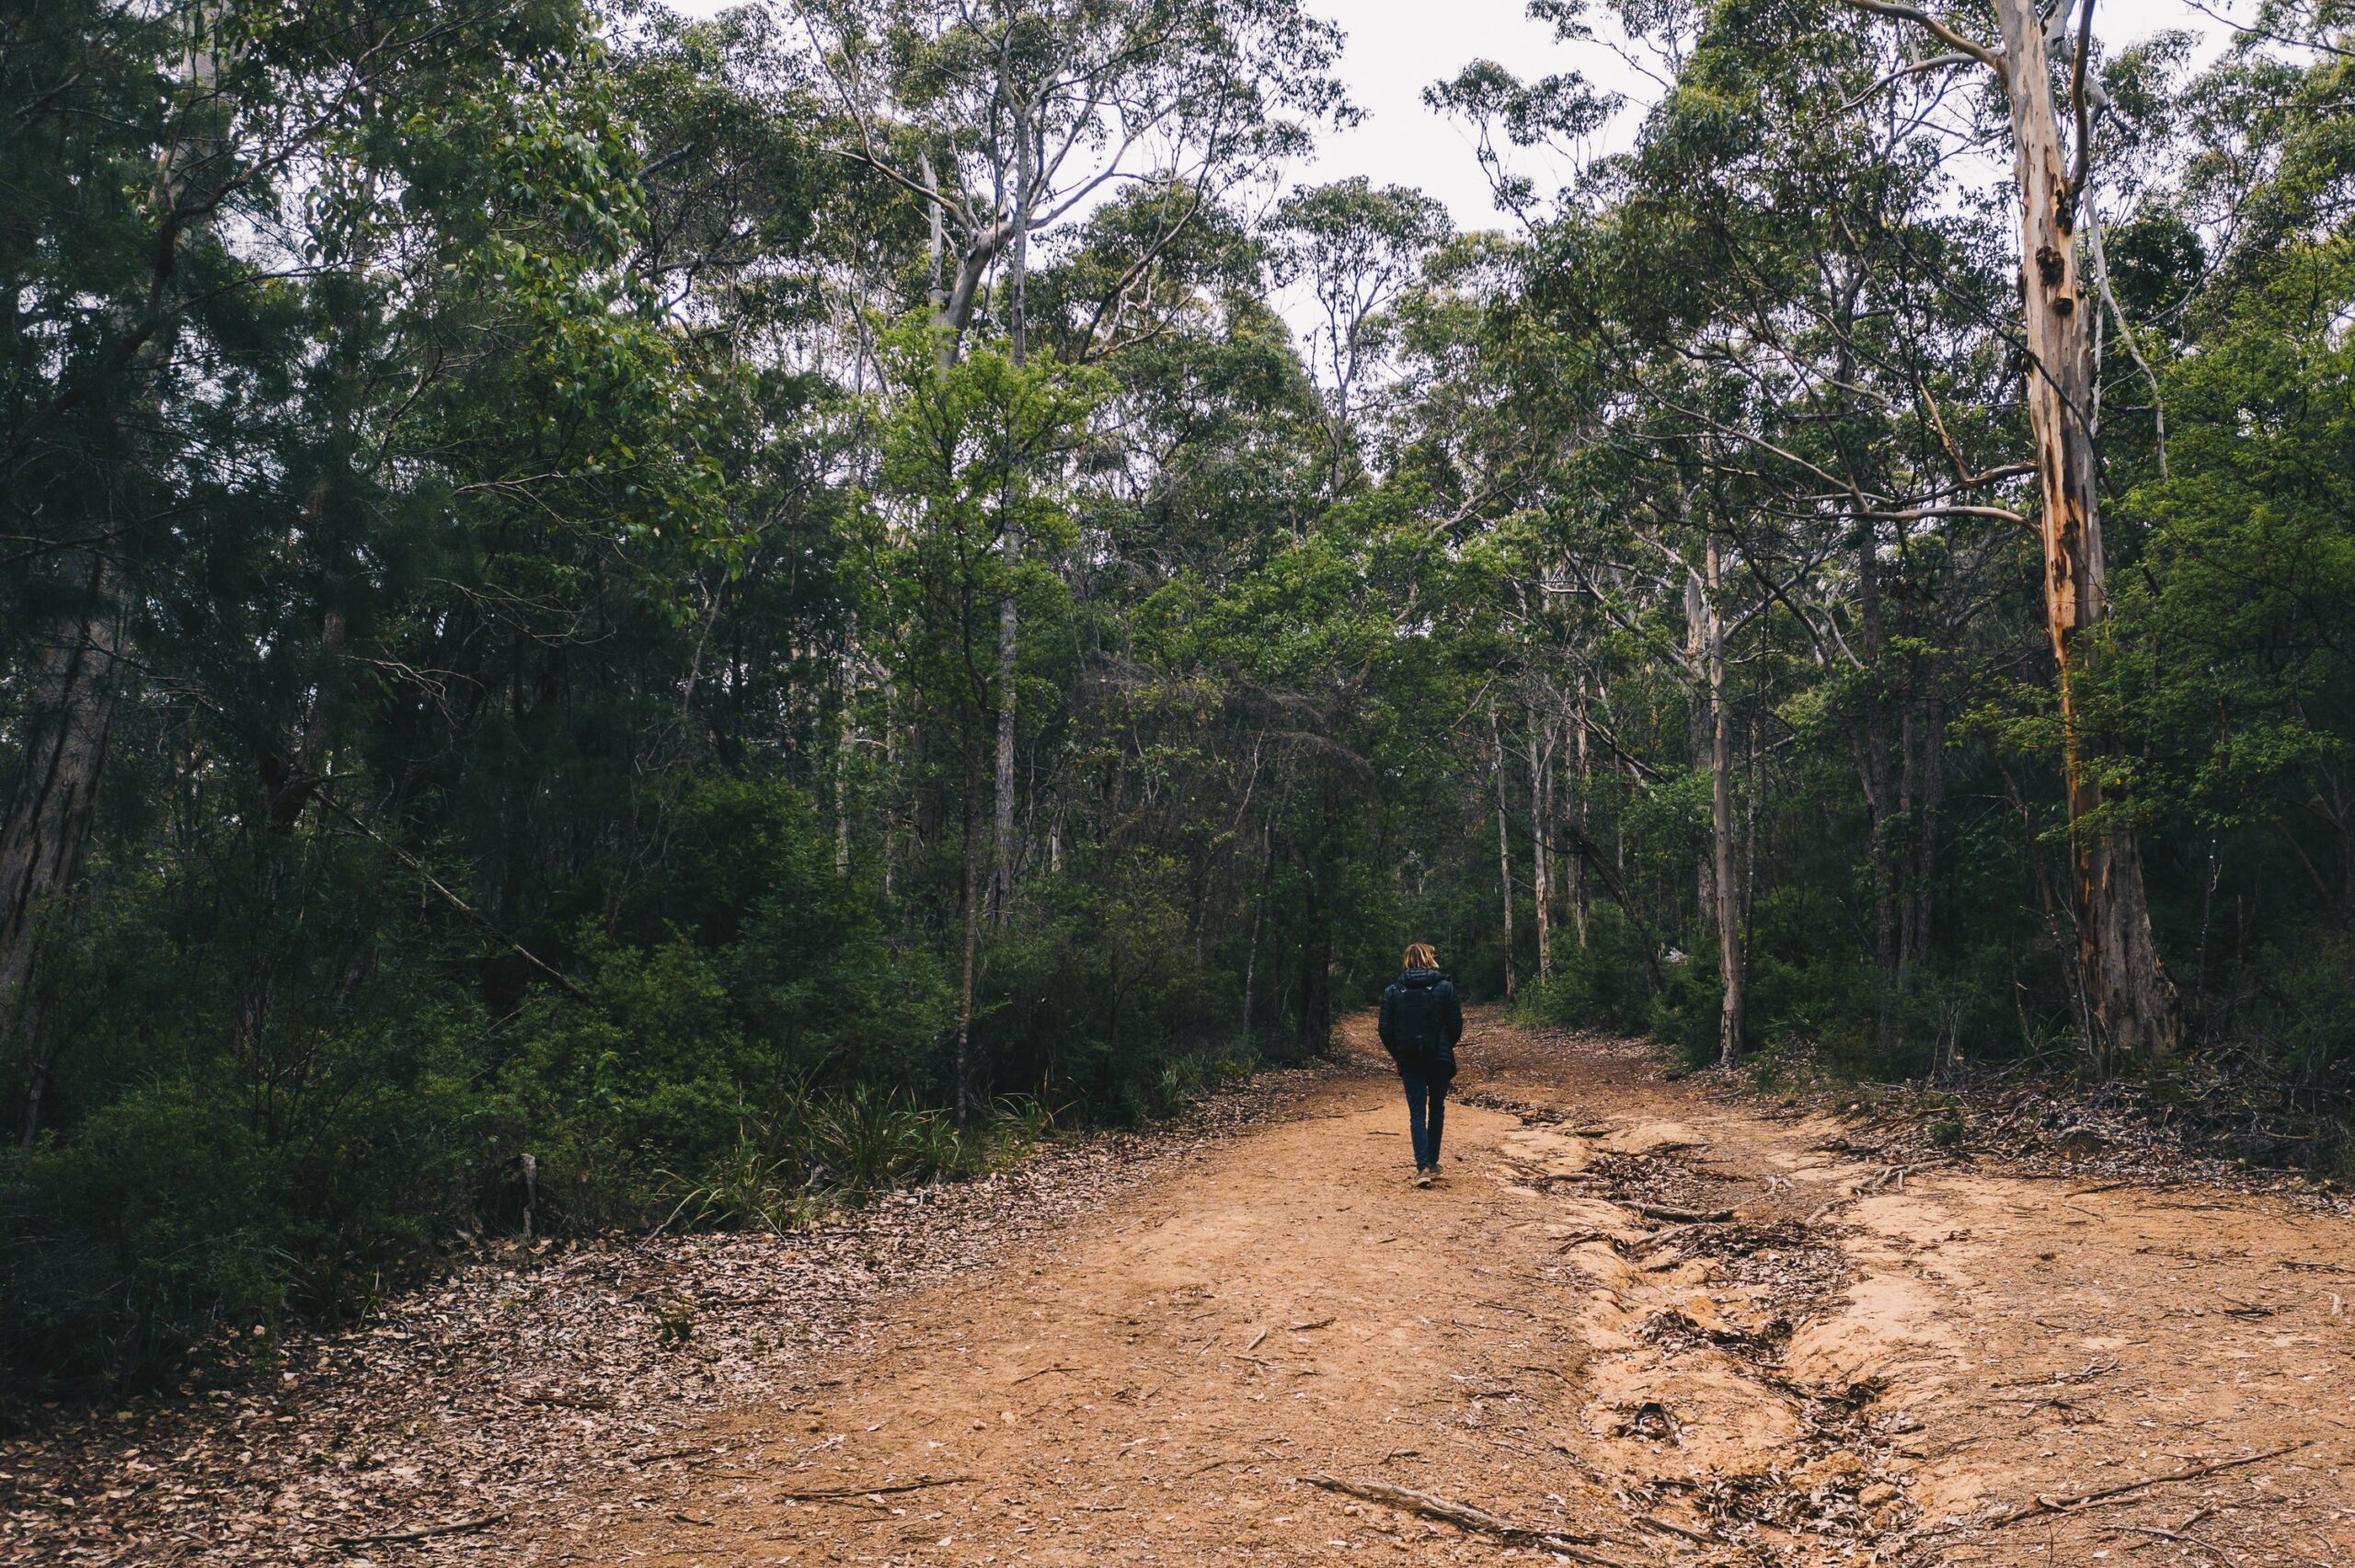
(829, 1493)
(394, 1537)
(1463, 1516)
(2070, 1505)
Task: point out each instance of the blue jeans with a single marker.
(1425, 1089)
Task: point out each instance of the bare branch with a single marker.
(1935, 28)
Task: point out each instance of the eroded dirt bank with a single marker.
(1636, 1324)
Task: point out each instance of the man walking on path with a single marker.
(1421, 1020)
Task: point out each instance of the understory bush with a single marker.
(270, 1113)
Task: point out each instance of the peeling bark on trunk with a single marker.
(2132, 1001)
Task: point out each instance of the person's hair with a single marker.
(1421, 957)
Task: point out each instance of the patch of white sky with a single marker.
(1396, 49)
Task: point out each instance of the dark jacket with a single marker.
(1421, 1020)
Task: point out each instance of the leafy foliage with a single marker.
(523, 547)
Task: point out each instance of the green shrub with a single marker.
(1605, 985)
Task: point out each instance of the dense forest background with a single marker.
(612, 620)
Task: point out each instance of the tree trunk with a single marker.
(1541, 848)
(47, 828)
(1576, 868)
(1873, 765)
(845, 737)
(1009, 613)
(1504, 846)
(1259, 918)
(1316, 974)
(973, 913)
(1697, 612)
(889, 786)
(1933, 797)
(46, 831)
(956, 312)
(1002, 831)
(2133, 1003)
(1721, 829)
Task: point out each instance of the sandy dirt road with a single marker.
(1967, 1367)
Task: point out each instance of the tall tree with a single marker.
(1035, 110)
(2131, 999)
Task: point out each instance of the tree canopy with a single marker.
(621, 620)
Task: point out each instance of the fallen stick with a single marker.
(828, 1493)
(1463, 1516)
(1044, 1370)
(2093, 1370)
(1675, 1234)
(570, 1401)
(1688, 1216)
(1669, 1526)
(2209, 1546)
(2084, 1499)
(394, 1537)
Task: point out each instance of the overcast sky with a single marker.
(1398, 48)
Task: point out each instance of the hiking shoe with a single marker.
(1423, 1178)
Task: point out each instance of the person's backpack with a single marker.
(1419, 1023)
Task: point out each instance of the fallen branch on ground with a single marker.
(570, 1401)
(1676, 1234)
(668, 1454)
(1043, 1372)
(2153, 1531)
(1688, 1216)
(2109, 1493)
(394, 1537)
(2092, 1370)
(828, 1493)
(1463, 1516)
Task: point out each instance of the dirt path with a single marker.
(1134, 1350)
(1879, 1379)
